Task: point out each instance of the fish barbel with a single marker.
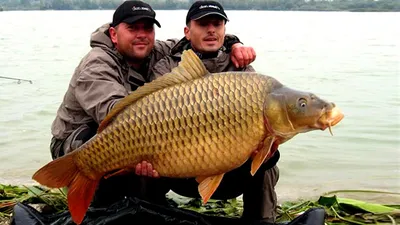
(189, 123)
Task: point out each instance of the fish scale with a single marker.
(189, 123)
(188, 113)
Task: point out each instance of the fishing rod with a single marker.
(18, 79)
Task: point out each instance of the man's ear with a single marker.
(113, 34)
(186, 31)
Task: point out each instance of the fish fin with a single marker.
(120, 172)
(57, 173)
(63, 172)
(208, 186)
(262, 154)
(80, 195)
(200, 179)
(189, 68)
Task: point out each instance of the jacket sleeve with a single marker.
(99, 88)
(163, 66)
(163, 48)
(229, 41)
(249, 68)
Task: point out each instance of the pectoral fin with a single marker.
(120, 172)
(262, 154)
(200, 179)
(208, 186)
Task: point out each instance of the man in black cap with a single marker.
(205, 34)
(120, 61)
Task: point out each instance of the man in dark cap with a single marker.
(205, 34)
(119, 61)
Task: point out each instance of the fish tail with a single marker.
(80, 195)
(63, 172)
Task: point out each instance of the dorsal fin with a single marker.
(190, 68)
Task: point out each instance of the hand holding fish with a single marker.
(146, 169)
(242, 56)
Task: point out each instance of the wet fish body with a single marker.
(189, 123)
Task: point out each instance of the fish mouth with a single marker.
(330, 118)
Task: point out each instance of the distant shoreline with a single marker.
(264, 5)
(271, 10)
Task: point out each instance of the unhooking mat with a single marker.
(134, 211)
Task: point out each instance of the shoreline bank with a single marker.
(336, 206)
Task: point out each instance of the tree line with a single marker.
(283, 5)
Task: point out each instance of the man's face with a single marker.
(134, 41)
(206, 34)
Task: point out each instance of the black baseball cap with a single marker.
(200, 9)
(132, 11)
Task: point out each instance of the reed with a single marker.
(339, 210)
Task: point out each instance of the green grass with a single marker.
(339, 210)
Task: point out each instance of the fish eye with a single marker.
(302, 102)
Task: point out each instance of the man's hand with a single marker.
(146, 169)
(242, 56)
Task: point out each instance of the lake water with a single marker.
(352, 59)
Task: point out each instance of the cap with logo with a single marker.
(132, 11)
(200, 9)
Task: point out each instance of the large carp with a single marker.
(189, 123)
